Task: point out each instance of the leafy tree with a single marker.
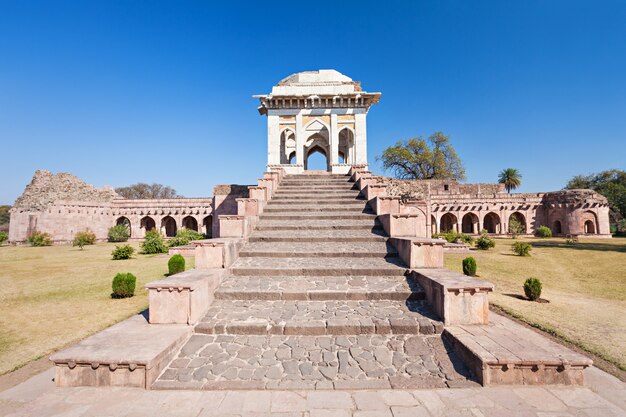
(611, 184)
(511, 178)
(424, 159)
(516, 227)
(142, 190)
(4, 214)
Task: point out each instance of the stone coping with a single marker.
(453, 281)
(218, 241)
(421, 240)
(132, 342)
(190, 280)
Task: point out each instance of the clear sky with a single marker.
(119, 92)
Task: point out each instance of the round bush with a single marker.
(122, 252)
(469, 266)
(40, 239)
(521, 248)
(544, 231)
(118, 233)
(176, 264)
(123, 285)
(84, 238)
(4, 236)
(532, 289)
(154, 243)
(484, 242)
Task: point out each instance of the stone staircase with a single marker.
(317, 299)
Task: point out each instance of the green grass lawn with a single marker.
(585, 284)
(53, 296)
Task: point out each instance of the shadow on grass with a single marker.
(581, 245)
(518, 296)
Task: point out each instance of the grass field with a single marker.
(585, 284)
(53, 296)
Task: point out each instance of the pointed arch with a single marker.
(168, 224)
(491, 223)
(147, 223)
(447, 223)
(126, 222)
(190, 222)
(469, 223)
(520, 218)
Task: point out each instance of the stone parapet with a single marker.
(183, 298)
(419, 252)
(402, 225)
(456, 298)
(130, 354)
(216, 253)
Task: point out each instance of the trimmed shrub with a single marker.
(118, 233)
(124, 285)
(154, 243)
(176, 264)
(122, 252)
(484, 242)
(183, 237)
(532, 288)
(544, 231)
(469, 266)
(4, 236)
(40, 239)
(83, 239)
(521, 248)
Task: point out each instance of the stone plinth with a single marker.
(456, 298)
(130, 354)
(420, 252)
(507, 353)
(184, 297)
(402, 225)
(216, 253)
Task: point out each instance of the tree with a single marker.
(610, 183)
(424, 159)
(142, 190)
(5, 216)
(511, 178)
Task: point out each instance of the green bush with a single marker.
(544, 231)
(40, 239)
(469, 266)
(84, 238)
(3, 237)
(183, 237)
(452, 237)
(620, 228)
(532, 289)
(484, 242)
(123, 285)
(122, 252)
(118, 233)
(176, 264)
(521, 248)
(154, 243)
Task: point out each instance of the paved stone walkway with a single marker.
(308, 362)
(604, 396)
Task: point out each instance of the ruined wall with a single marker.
(225, 201)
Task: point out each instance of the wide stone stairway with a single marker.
(317, 299)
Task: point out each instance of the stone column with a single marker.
(360, 138)
(334, 140)
(299, 140)
(273, 139)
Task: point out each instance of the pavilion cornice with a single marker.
(317, 101)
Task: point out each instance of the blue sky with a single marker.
(119, 92)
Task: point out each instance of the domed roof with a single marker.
(321, 82)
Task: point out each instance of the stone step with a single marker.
(295, 266)
(326, 224)
(321, 187)
(308, 208)
(315, 318)
(318, 216)
(301, 236)
(316, 181)
(315, 192)
(314, 249)
(227, 362)
(316, 202)
(319, 288)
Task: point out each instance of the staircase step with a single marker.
(325, 224)
(316, 201)
(293, 266)
(315, 192)
(361, 208)
(317, 250)
(228, 362)
(316, 318)
(319, 288)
